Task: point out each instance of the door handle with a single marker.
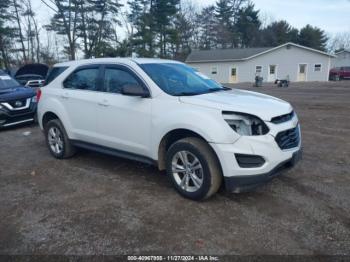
(65, 96)
(103, 103)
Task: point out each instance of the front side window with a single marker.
(115, 79)
(180, 80)
(54, 72)
(83, 79)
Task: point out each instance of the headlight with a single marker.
(34, 99)
(245, 124)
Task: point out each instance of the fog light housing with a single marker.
(249, 161)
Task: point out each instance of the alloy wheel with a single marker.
(55, 140)
(187, 171)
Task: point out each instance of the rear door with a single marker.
(79, 97)
(123, 122)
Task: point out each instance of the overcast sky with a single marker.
(333, 16)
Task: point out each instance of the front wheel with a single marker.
(193, 168)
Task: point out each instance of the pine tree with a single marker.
(96, 25)
(224, 26)
(164, 13)
(142, 21)
(278, 33)
(207, 23)
(248, 26)
(65, 22)
(313, 37)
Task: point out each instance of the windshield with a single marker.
(7, 82)
(180, 80)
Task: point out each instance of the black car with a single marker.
(17, 103)
(31, 80)
(32, 75)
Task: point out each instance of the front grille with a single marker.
(289, 138)
(282, 118)
(20, 112)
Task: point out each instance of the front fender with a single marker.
(206, 122)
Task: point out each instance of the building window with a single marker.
(318, 67)
(214, 70)
(233, 71)
(258, 70)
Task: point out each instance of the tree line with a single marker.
(152, 28)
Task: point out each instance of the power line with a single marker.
(48, 6)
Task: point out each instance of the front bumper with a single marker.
(10, 118)
(238, 184)
(239, 178)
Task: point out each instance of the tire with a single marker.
(203, 179)
(65, 147)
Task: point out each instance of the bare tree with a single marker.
(17, 8)
(65, 21)
(339, 41)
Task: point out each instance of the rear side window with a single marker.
(54, 72)
(115, 79)
(83, 79)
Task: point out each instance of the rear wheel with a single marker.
(57, 140)
(193, 168)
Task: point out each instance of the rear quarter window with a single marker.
(54, 72)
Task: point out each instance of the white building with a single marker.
(296, 62)
(342, 59)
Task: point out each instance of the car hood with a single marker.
(15, 93)
(236, 100)
(33, 69)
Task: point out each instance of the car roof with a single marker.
(115, 60)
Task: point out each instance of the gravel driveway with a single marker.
(97, 204)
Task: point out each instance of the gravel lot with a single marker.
(97, 204)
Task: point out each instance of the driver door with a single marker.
(123, 122)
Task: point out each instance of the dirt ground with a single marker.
(98, 204)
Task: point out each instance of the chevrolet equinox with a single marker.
(166, 113)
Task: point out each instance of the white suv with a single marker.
(166, 113)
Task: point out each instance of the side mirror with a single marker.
(134, 90)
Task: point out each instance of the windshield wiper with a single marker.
(211, 90)
(218, 89)
(188, 94)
